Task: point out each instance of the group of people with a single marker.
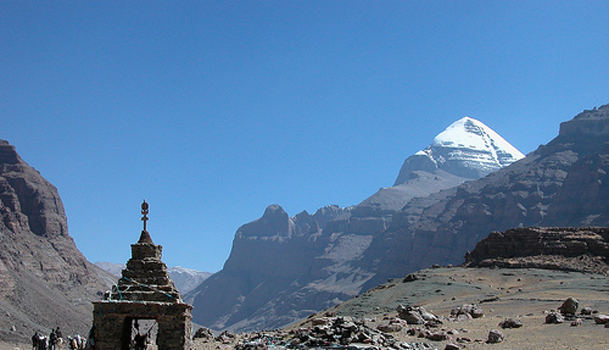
(55, 341)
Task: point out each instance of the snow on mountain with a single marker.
(467, 148)
(184, 279)
(187, 279)
(113, 268)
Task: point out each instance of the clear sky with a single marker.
(213, 110)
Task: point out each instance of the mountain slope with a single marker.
(560, 184)
(46, 281)
(282, 269)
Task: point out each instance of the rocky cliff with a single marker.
(284, 268)
(584, 249)
(276, 264)
(563, 183)
(45, 281)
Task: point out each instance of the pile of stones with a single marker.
(333, 332)
(465, 312)
(207, 336)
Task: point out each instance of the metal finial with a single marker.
(144, 213)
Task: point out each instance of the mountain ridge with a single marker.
(540, 190)
(47, 282)
(284, 268)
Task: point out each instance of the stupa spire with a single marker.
(145, 236)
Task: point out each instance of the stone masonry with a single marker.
(144, 292)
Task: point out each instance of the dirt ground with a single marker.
(527, 294)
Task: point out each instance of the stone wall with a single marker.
(113, 322)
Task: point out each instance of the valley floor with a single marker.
(525, 294)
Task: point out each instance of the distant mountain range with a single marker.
(184, 279)
(281, 268)
(284, 268)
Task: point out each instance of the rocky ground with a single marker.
(529, 296)
(372, 320)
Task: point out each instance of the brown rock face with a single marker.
(44, 280)
(580, 249)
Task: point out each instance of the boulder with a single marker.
(495, 336)
(468, 309)
(555, 317)
(390, 328)
(601, 319)
(510, 323)
(410, 277)
(203, 333)
(569, 306)
(409, 314)
(437, 336)
(586, 311)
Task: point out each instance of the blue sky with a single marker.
(213, 110)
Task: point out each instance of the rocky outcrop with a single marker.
(277, 263)
(47, 282)
(580, 249)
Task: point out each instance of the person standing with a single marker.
(59, 340)
(140, 341)
(52, 340)
(35, 339)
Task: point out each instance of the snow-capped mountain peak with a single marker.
(473, 134)
(467, 148)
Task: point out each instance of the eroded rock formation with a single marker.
(583, 249)
(45, 281)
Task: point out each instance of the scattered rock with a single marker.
(555, 317)
(416, 315)
(390, 328)
(452, 346)
(464, 340)
(410, 277)
(569, 306)
(576, 323)
(410, 315)
(601, 319)
(437, 336)
(510, 323)
(495, 336)
(586, 311)
(226, 337)
(471, 310)
(203, 333)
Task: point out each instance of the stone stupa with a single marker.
(145, 292)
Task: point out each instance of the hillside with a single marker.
(543, 268)
(45, 282)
